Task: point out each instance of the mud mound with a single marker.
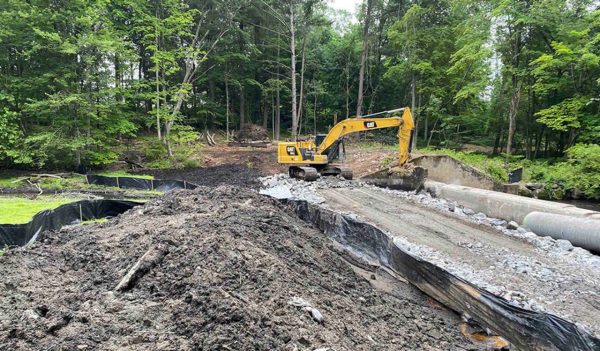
(208, 269)
(229, 174)
(252, 132)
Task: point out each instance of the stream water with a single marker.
(586, 204)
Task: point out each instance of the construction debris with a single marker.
(251, 135)
(252, 132)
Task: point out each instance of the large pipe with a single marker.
(501, 205)
(582, 232)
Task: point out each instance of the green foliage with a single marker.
(493, 166)
(154, 150)
(181, 134)
(584, 170)
(564, 115)
(190, 164)
(79, 79)
(10, 137)
(580, 172)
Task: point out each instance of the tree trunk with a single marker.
(498, 136)
(211, 89)
(512, 114)
(348, 88)
(432, 129)
(158, 126)
(293, 73)
(273, 116)
(265, 121)
(277, 115)
(226, 107)
(546, 143)
(530, 119)
(315, 114)
(242, 108)
(538, 141)
(516, 90)
(302, 68)
(363, 59)
(426, 120)
(277, 123)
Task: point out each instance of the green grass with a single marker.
(71, 182)
(125, 174)
(3, 250)
(15, 210)
(94, 221)
(9, 182)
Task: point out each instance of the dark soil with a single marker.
(217, 269)
(228, 174)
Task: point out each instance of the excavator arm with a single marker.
(370, 122)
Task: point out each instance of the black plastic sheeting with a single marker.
(23, 234)
(526, 330)
(138, 183)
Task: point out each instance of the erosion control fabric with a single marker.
(23, 234)
(525, 329)
(139, 183)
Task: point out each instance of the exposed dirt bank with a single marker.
(238, 175)
(209, 269)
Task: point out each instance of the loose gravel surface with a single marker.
(208, 269)
(532, 272)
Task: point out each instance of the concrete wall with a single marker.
(445, 169)
(501, 205)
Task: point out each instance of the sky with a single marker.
(349, 5)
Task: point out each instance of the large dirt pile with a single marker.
(252, 132)
(209, 269)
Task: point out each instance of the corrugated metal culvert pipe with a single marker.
(582, 232)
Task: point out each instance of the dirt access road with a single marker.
(507, 266)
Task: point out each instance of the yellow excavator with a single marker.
(309, 158)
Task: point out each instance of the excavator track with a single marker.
(308, 174)
(334, 170)
(347, 173)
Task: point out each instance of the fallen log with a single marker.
(144, 264)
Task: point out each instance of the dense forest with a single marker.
(77, 77)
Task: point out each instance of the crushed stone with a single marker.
(558, 285)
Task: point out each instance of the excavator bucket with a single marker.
(408, 177)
